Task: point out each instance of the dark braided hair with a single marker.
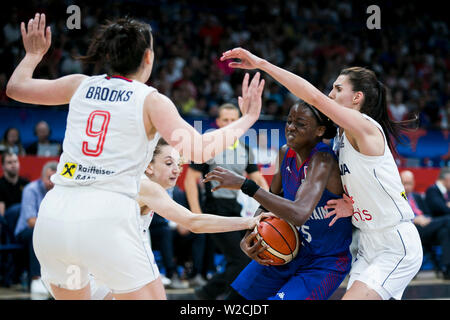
(120, 44)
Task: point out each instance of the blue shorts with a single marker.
(304, 278)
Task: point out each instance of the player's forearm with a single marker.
(284, 208)
(212, 143)
(294, 83)
(210, 223)
(260, 181)
(192, 196)
(21, 75)
(2, 208)
(344, 117)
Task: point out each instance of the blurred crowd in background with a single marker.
(315, 39)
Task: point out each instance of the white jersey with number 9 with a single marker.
(105, 144)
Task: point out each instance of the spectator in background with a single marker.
(32, 197)
(397, 109)
(432, 230)
(11, 142)
(306, 39)
(43, 147)
(11, 184)
(193, 247)
(161, 235)
(11, 187)
(265, 156)
(438, 195)
(3, 81)
(10, 31)
(238, 158)
(272, 110)
(69, 64)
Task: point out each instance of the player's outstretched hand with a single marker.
(247, 59)
(341, 208)
(250, 102)
(36, 37)
(253, 247)
(226, 178)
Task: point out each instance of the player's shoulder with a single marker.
(282, 151)
(155, 97)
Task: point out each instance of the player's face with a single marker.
(343, 93)
(166, 167)
(301, 128)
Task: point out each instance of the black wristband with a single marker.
(249, 187)
(262, 208)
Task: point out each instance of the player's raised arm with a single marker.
(22, 87)
(199, 148)
(351, 120)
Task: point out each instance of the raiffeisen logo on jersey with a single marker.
(81, 172)
(69, 170)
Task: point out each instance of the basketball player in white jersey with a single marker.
(162, 173)
(89, 222)
(390, 250)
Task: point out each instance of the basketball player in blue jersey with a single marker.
(307, 178)
(389, 248)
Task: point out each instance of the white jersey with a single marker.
(373, 183)
(105, 144)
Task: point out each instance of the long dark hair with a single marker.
(120, 44)
(375, 103)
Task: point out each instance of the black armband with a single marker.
(249, 187)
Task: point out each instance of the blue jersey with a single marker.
(318, 237)
(322, 262)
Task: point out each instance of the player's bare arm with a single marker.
(163, 115)
(22, 86)
(368, 139)
(156, 198)
(307, 197)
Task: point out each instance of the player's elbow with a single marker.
(298, 216)
(193, 223)
(11, 90)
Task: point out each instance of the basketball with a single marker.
(281, 237)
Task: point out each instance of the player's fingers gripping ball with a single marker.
(280, 237)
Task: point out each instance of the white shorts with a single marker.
(388, 260)
(84, 230)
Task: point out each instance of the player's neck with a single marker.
(138, 76)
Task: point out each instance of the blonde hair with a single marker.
(227, 106)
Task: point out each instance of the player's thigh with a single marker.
(258, 282)
(389, 266)
(151, 291)
(361, 291)
(66, 294)
(118, 255)
(310, 284)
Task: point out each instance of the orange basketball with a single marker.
(281, 237)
